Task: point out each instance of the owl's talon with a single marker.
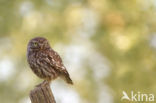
(44, 83)
(39, 85)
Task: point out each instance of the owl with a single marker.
(45, 62)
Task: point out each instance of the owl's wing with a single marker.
(57, 64)
(56, 61)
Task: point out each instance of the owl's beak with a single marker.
(42, 47)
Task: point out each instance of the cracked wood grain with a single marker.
(42, 94)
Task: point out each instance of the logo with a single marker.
(137, 97)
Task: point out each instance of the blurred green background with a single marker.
(108, 46)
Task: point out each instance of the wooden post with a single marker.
(42, 94)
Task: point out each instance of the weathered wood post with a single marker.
(42, 94)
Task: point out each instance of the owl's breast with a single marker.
(39, 65)
(35, 60)
(31, 58)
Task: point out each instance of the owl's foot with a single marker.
(43, 84)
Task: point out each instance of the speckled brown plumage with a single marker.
(44, 61)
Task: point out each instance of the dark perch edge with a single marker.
(42, 94)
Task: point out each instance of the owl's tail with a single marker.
(66, 77)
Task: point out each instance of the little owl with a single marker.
(44, 61)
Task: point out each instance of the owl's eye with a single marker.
(35, 44)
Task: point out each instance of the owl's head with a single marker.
(38, 43)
